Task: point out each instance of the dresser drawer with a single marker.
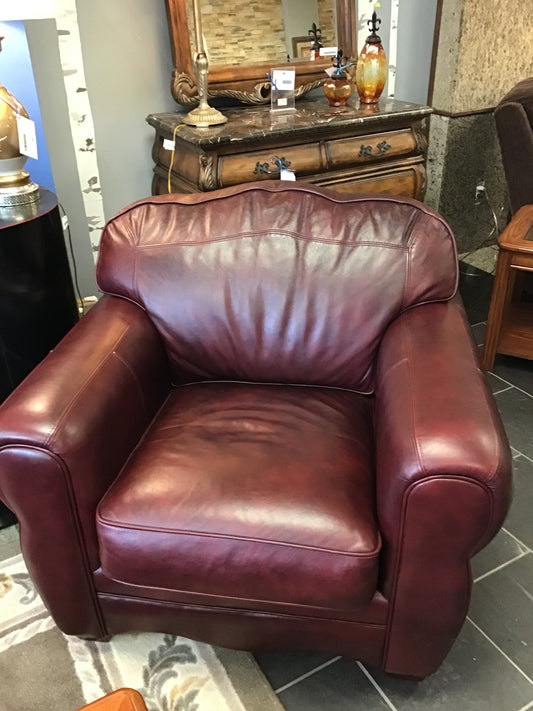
(408, 181)
(370, 148)
(249, 167)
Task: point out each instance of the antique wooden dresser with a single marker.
(374, 148)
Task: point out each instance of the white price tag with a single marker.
(168, 145)
(328, 51)
(27, 137)
(330, 71)
(283, 79)
(285, 174)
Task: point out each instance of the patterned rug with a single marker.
(41, 668)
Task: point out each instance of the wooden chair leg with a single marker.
(501, 292)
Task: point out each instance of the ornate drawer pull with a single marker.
(381, 148)
(278, 162)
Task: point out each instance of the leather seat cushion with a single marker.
(249, 492)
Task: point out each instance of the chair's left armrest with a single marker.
(443, 468)
(65, 433)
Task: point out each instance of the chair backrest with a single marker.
(514, 125)
(276, 282)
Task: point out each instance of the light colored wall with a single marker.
(128, 66)
(416, 23)
(42, 39)
(298, 17)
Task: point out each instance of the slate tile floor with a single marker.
(490, 667)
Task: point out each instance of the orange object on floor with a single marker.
(120, 700)
(510, 322)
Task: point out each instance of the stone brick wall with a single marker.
(327, 23)
(241, 31)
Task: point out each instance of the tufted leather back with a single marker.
(270, 282)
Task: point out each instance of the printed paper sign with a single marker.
(328, 51)
(283, 79)
(27, 137)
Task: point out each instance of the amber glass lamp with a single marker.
(371, 69)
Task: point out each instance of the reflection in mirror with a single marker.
(256, 31)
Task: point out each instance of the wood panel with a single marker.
(371, 148)
(516, 336)
(403, 181)
(242, 168)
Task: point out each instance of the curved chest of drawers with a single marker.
(378, 148)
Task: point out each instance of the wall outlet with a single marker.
(86, 304)
(480, 190)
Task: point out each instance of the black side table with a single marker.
(37, 301)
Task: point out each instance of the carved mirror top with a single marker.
(244, 43)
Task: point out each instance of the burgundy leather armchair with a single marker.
(514, 125)
(271, 432)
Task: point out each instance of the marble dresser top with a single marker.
(256, 123)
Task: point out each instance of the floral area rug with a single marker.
(41, 668)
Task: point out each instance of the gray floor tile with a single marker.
(282, 667)
(474, 677)
(517, 371)
(342, 686)
(496, 384)
(502, 606)
(478, 332)
(483, 258)
(519, 520)
(501, 549)
(516, 409)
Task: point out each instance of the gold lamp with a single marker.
(203, 115)
(16, 188)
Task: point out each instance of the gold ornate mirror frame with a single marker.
(247, 83)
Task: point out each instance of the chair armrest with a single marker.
(443, 471)
(65, 433)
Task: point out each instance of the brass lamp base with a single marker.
(23, 195)
(16, 188)
(204, 116)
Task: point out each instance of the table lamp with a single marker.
(16, 188)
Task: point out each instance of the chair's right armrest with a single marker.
(435, 415)
(65, 433)
(443, 478)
